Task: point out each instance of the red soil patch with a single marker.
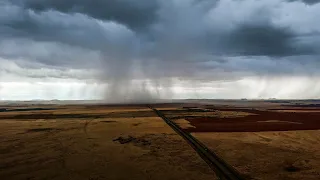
(261, 121)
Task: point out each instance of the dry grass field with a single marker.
(286, 155)
(93, 142)
(262, 140)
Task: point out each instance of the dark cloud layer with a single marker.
(265, 40)
(135, 14)
(307, 1)
(154, 40)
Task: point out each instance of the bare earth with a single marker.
(262, 140)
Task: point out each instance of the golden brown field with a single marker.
(80, 142)
(290, 155)
(263, 141)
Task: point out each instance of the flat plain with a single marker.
(261, 139)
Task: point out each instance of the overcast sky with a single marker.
(126, 49)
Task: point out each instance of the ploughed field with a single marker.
(231, 120)
(261, 139)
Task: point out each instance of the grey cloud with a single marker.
(310, 2)
(76, 29)
(179, 29)
(18, 71)
(49, 54)
(197, 40)
(265, 40)
(281, 66)
(135, 14)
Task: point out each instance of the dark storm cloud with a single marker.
(181, 23)
(264, 40)
(52, 26)
(310, 2)
(135, 14)
(187, 39)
